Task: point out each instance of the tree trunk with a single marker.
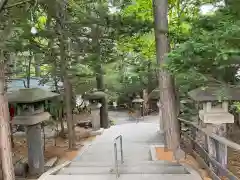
(60, 118)
(67, 95)
(147, 91)
(2, 4)
(29, 69)
(61, 18)
(60, 110)
(37, 66)
(167, 94)
(68, 105)
(145, 103)
(104, 108)
(99, 78)
(177, 97)
(6, 151)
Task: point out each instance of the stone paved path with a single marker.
(137, 137)
(97, 162)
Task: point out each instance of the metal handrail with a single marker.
(116, 154)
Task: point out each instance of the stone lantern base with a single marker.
(34, 140)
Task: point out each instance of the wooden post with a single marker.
(221, 149)
(206, 140)
(217, 150)
(211, 150)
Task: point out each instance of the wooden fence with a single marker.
(211, 161)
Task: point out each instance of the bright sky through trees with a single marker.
(210, 8)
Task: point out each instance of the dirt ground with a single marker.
(54, 147)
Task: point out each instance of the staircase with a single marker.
(139, 170)
(130, 162)
(142, 170)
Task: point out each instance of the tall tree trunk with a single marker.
(60, 110)
(150, 77)
(145, 102)
(99, 77)
(6, 151)
(37, 65)
(5, 137)
(2, 4)
(148, 90)
(167, 94)
(61, 18)
(14, 65)
(68, 105)
(60, 118)
(67, 95)
(104, 108)
(29, 69)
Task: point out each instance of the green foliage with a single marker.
(203, 47)
(236, 105)
(211, 51)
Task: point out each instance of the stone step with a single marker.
(131, 163)
(124, 177)
(146, 169)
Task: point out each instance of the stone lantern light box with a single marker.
(215, 103)
(30, 103)
(30, 113)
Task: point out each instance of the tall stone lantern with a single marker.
(214, 115)
(30, 113)
(138, 106)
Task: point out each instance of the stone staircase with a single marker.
(107, 159)
(78, 168)
(153, 170)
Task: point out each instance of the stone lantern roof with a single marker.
(94, 95)
(30, 95)
(138, 100)
(215, 93)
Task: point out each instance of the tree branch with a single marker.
(2, 4)
(16, 4)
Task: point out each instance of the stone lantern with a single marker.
(214, 102)
(214, 115)
(138, 106)
(30, 113)
(95, 106)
